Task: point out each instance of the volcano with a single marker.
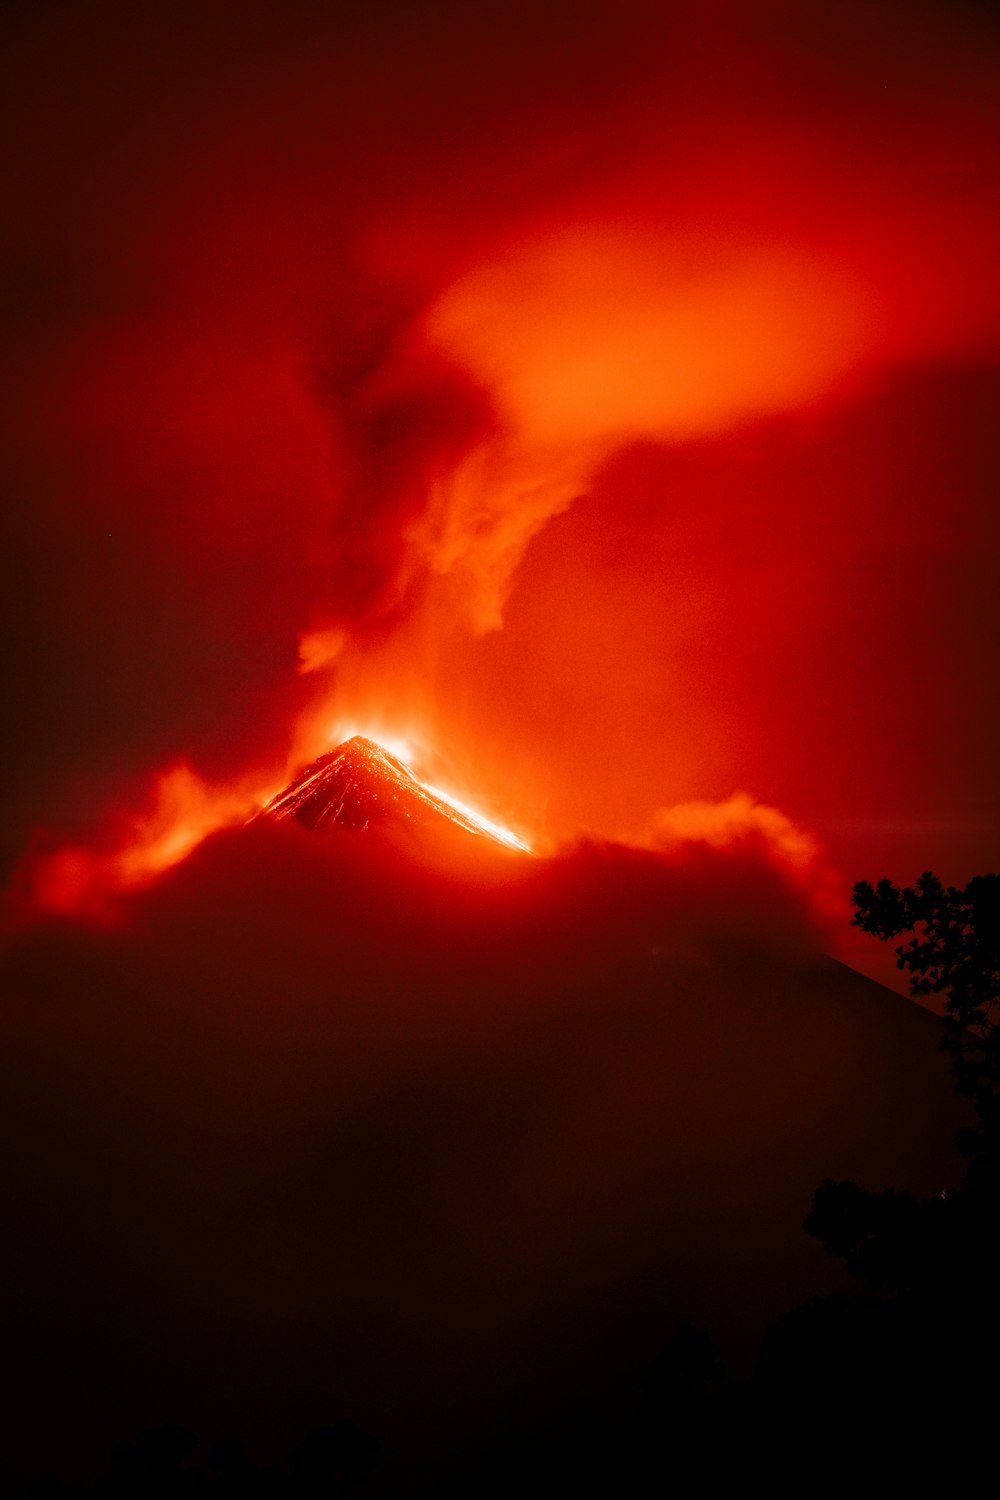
(360, 784)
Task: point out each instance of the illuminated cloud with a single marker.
(467, 331)
(743, 825)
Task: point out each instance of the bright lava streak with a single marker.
(403, 752)
(498, 832)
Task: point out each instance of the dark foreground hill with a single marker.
(325, 1128)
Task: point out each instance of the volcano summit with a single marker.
(360, 784)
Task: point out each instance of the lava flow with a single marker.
(362, 784)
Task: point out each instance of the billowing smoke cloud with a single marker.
(340, 344)
(723, 270)
(741, 825)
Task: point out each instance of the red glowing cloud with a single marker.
(599, 336)
(561, 403)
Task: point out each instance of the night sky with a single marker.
(601, 399)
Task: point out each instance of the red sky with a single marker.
(610, 407)
(603, 398)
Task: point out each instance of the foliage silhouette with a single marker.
(892, 1238)
(888, 1239)
(928, 1325)
(955, 951)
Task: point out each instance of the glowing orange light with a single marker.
(76, 880)
(496, 829)
(401, 748)
(86, 881)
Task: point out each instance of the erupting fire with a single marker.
(363, 782)
(355, 784)
(494, 829)
(402, 750)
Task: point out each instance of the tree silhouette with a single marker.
(893, 1238)
(929, 1324)
(955, 951)
(888, 1239)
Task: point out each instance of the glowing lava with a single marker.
(362, 784)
